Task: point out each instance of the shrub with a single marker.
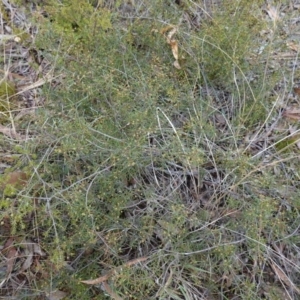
(136, 158)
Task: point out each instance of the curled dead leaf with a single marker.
(173, 43)
(176, 65)
(174, 47)
(170, 35)
(166, 29)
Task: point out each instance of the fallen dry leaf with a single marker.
(47, 78)
(56, 295)
(14, 75)
(28, 253)
(16, 179)
(37, 249)
(110, 273)
(273, 13)
(111, 293)
(11, 132)
(292, 113)
(11, 258)
(135, 261)
(285, 55)
(295, 47)
(11, 254)
(295, 135)
(37, 267)
(297, 90)
(7, 244)
(283, 277)
(97, 280)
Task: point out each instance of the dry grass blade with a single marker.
(48, 77)
(110, 273)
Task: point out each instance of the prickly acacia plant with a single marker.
(158, 179)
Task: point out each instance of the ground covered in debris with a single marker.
(149, 150)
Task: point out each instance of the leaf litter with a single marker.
(27, 73)
(19, 257)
